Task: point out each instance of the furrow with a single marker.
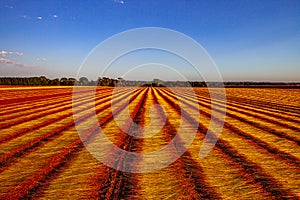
(189, 171)
(292, 160)
(45, 106)
(118, 186)
(255, 111)
(57, 109)
(245, 103)
(57, 131)
(56, 161)
(269, 184)
(273, 131)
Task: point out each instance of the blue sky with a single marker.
(248, 40)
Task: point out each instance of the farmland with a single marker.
(257, 156)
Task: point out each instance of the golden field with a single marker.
(257, 156)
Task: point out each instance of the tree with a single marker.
(84, 81)
(72, 81)
(44, 80)
(55, 82)
(63, 81)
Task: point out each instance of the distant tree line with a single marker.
(29, 81)
(43, 81)
(104, 81)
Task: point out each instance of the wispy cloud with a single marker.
(5, 61)
(17, 53)
(41, 59)
(39, 17)
(4, 53)
(119, 1)
(8, 6)
(26, 17)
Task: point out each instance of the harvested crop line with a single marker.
(31, 185)
(188, 170)
(43, 101)
(42, 156)
(273, 131)
(254, 111)
(259, 143)
(15, 101)
(44, 105)
(46, 122)
(269, 184)
(261, 102)
(57, 109)
(34, 143)
(118, 185)
(246, 103)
